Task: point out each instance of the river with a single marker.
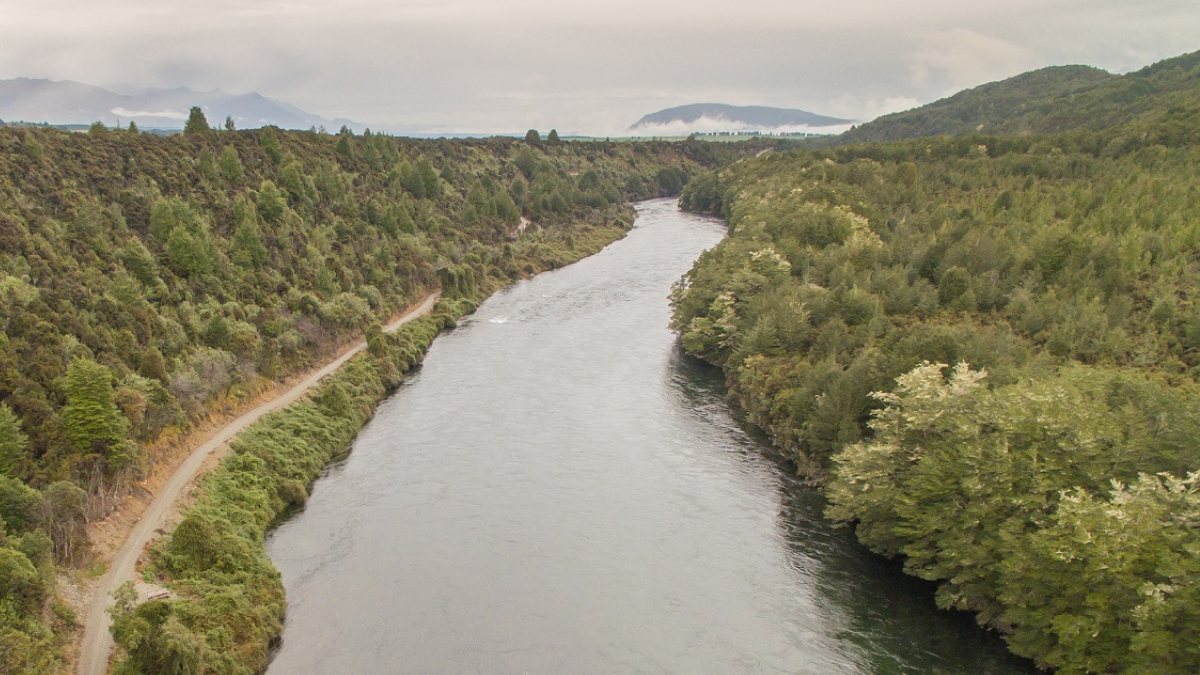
(559, 491)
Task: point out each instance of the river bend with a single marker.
(558, 491)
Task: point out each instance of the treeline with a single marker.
(987, 349)
(147, 282)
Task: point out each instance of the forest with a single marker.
(985, 348)
(150, 282)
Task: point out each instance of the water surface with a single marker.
(559, 491)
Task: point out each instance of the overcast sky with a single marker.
(582, 66)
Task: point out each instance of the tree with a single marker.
(270, 202)
(229, 124)
(231, 165)
(91, 419)
(429, 178)
(532, 137)
(12, 441)
(133, 128)
(196, 122)
(344, 147)
(553, 136)
(247, 247)
(61, 512)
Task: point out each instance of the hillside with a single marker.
(1046, 101)
(987, 348)
(721, 117)
(146, 281)
(68, 102)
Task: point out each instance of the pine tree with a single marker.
(196, 122)
(91, 418)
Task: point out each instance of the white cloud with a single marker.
(866, 109)
(588, 65)
(958, 58)
(167, 114)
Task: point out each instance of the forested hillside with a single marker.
(148, 281)
(987, 348)
(1050, 100)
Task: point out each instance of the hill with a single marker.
(69, 102)
(147, 281)
(988, 349)
(721, 117)
(1046, 101)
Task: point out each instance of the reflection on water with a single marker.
(890, 617)
(559, 491)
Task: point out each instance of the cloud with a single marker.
(166, 114)
(590, 66)
(959, 58)
(866, 109)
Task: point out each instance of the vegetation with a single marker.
(147, 282)
(231, 606)
(987, 348)
(1046, 101)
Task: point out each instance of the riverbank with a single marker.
(560, 491)
(228, 602)
(132, 528)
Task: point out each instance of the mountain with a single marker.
(721, 117)
(75, 103)
(1046, 101)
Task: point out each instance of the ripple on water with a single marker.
(559, 491)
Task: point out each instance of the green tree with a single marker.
(270, 202)
(231, 165)
(12, 441)
(552, 138)
(189, 254)
(429, 178)
(247, 247)
(229, 126)
(91, 419)
(345, 147)
(196, 122)
(532, 137)
(269, 140)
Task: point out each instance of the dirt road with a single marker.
(97, 641)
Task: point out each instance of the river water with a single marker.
(559, 491)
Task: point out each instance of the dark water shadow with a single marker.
(890, 618)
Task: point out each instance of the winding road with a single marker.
(97, 643)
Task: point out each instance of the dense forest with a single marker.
(987, 349)
(147, 282)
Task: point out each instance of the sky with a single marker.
(585, 66)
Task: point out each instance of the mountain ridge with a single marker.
(748, 117)
(1050, 100)
(68, 102)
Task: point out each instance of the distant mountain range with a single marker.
(718, 117)
(64, 103)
